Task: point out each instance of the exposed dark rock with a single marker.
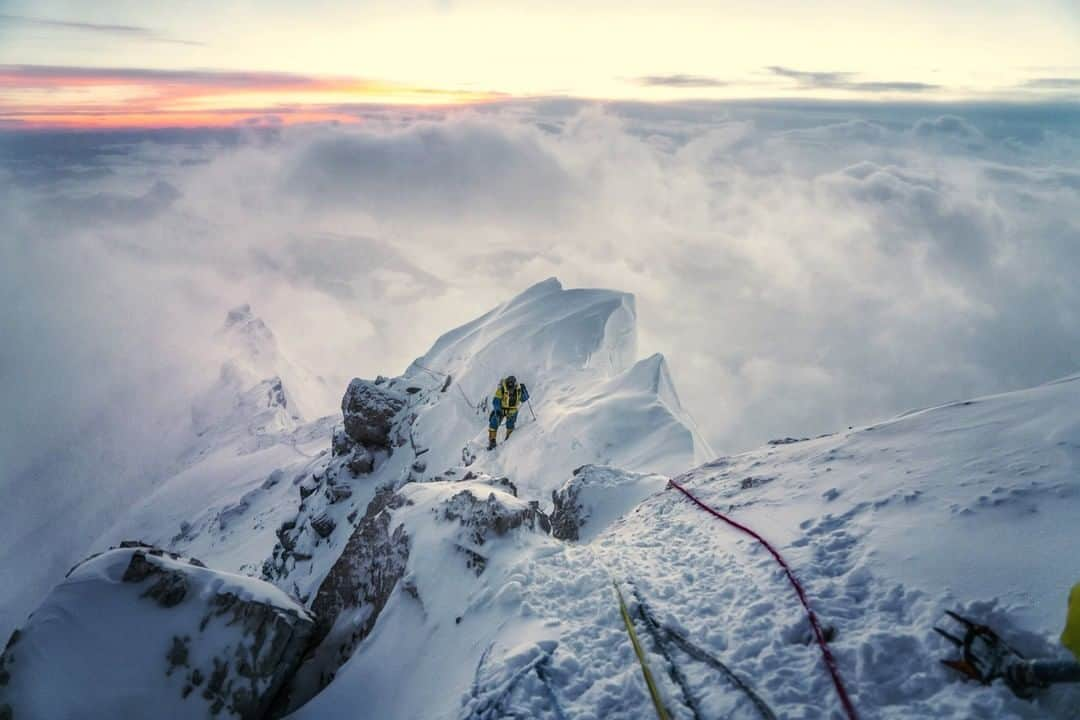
(483, 517)
(504, 483)
(178, 653)
(308, 488)
(7, 658)
(567, 514)
(337, 493)
(753, 481)
(323, 525)
(239, 655)
(354, 593)
(273, 479)
(276, 394)
(473, 560)
(170, 586)
(285, 537)
(542, 519)
(361, 461)
(369, 412)
(231, 512)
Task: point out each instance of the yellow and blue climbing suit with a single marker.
(505, 404)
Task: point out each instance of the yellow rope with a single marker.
(658, 703)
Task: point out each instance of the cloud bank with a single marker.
(874, 264)
(803, 267)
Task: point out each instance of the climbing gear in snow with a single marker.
(662, 635)
(983, 654)
(654, 691)
(815, 626)
(494, 704)
(1070, 636)
(674, 672)
(985, 657)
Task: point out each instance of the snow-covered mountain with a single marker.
(446, 581)
(969, 506)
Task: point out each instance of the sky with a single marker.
(132, 64)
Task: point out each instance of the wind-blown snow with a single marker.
(968, 506)
(574, 350)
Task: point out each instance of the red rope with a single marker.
(830, 661)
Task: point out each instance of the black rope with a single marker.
(495, 708)
(427, 369)
(674, 672)
(701, 655)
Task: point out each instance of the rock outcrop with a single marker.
(594, 497)
(369, 412)
(376, 560)
(137, 628)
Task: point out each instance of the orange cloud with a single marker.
(43, 96)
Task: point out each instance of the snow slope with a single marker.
(967, 506)
(204, 454)
(231, 484)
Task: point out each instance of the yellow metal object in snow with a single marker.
(654, 691)
(1070, 637)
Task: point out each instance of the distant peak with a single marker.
(249, 337)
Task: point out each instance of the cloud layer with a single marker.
(804, 268)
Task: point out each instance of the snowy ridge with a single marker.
(575, 351)
(449, 582)
(886, 526)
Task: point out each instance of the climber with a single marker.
(508, 398)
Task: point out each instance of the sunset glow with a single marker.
(125, 64)
(63, 97)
